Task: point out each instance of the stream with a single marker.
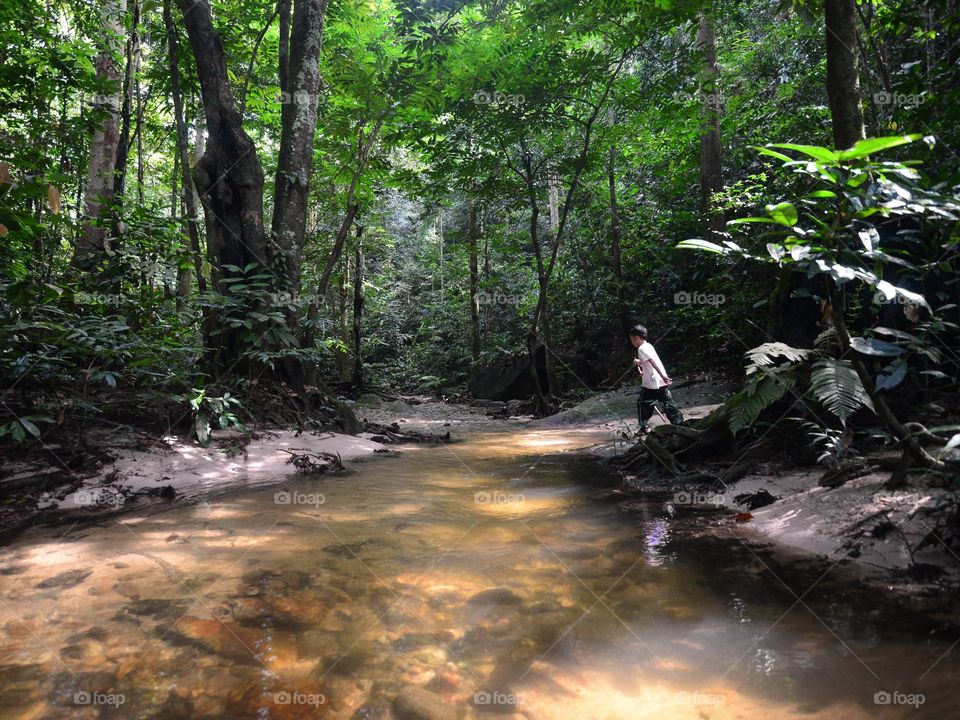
(499, 576)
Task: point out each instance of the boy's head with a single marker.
(638, 335)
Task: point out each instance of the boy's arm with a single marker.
(660, 371)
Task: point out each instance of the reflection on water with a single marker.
(488, 578)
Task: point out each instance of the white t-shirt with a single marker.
(651, 378)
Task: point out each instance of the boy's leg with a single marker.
(670, 408)
(644, 408)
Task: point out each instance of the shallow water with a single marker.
(497, 573)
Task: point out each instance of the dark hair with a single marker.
(638, 331)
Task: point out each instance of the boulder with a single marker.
(507, 376)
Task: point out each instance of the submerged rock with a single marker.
(496, 596)
(68, 579)
(414, 703)
(213, 636)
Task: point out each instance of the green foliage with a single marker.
(760, 391)
(836, 385)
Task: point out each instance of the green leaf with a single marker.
(815, 151)
(764, 355)
(872, 346)
(783, 213)
(760, 392)
(697, 244)
(835, 384)
(30, 427)
(892, 375)
(863, 148)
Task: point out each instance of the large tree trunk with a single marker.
(229, 176)
(99, 194)
(843, 74)
(474, 283)
(711, 154)
(298, 127)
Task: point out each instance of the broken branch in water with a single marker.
(309, 463)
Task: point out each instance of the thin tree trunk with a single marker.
(474, 283)
(187, 190)
(440, 247)
(99, 194)
(907, 440)
(364, 146)
(615, 256)
(711, 153)
(343, 357)
(843, 74)
(132, 69)
(358, 310)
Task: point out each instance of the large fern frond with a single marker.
(765, 355)
(835, 384)
(760, 392)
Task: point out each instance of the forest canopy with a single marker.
(203, 202)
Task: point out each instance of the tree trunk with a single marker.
(711, 169)
(364, 145)
(229, 176)
(843, 75)
(343, 357)
(623, 316)
(474, 284)
(907, 440)
(298, 127)
(99, 194)
(187, 190)
(132, 68)
(358, 310)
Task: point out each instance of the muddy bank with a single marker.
(849, 519)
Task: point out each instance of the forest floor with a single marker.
(883, 534)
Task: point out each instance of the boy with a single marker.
(655, 382)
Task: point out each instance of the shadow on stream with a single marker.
(496, 577)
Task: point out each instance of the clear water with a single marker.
(497, 573)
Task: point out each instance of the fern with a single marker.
(835, 385)
(760, 392)
(764, 355)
